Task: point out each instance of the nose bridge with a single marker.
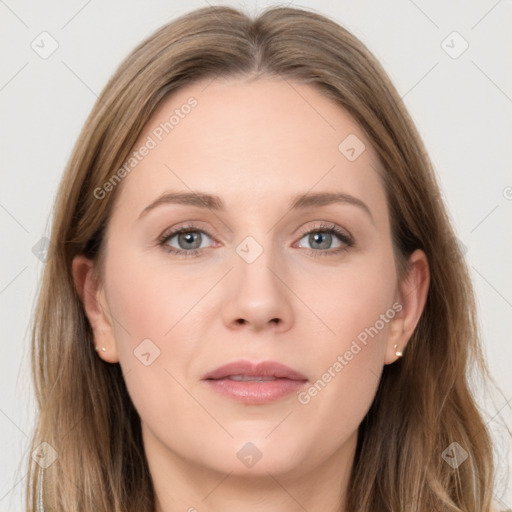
(258, 295)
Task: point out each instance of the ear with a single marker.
(93, 298)
(410, 300)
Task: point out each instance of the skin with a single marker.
(256, 144)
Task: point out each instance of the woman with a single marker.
(254, 298)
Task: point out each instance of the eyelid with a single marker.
(328, 226)
(187, 226)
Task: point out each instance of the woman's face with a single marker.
(259, 275)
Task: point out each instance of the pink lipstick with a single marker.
(252, 383)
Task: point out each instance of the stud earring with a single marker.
(103, 349)
(397, 352)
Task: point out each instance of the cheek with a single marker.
(153, 311)
(349, 356)
(147, 326)
(353, 297)
(149, 302)
(336, 403)
(348, 363)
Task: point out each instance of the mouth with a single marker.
(254, 384)
(248, 378)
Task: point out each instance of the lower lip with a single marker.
(253, 392)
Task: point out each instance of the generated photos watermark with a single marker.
(304, 397)
(157, 135)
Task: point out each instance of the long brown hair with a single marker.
(85, 412)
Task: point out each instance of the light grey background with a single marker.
(462, 107)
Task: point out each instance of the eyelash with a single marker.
(321, 227)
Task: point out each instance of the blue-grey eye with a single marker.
(322, 239)
(189, 240)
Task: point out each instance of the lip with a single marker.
(286, 381)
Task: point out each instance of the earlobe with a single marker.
(93, 299)
(411, 296)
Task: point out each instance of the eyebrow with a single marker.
(214, 202)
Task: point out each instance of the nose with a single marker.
(257, 296)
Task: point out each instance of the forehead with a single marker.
(250, 141)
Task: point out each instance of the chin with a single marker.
(257, 455)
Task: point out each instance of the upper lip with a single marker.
(249, 369)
